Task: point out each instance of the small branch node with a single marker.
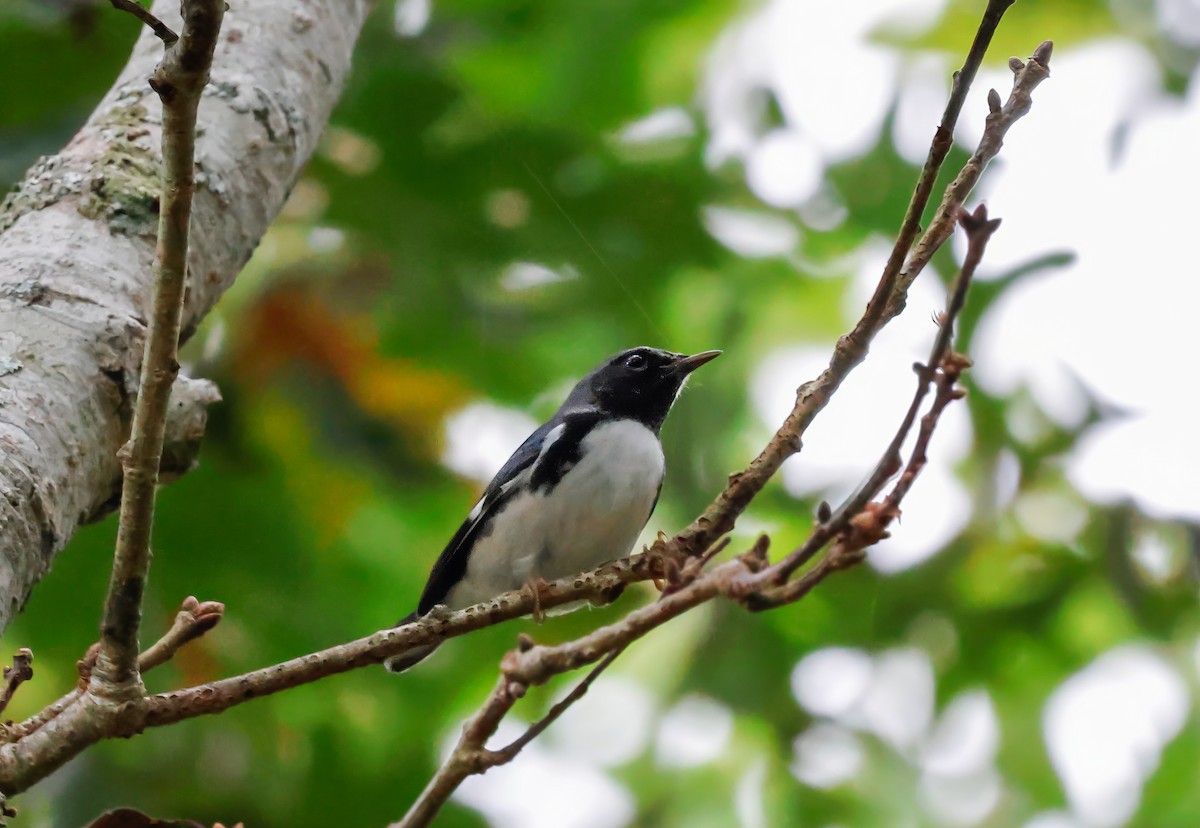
(824, 512)
(20, 672)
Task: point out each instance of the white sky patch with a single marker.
(748, 796)
(1153, 458)
(666, 124)
(827, 755)
(694, 732)
(960, 801)
(1120, 318)
(519, 276)
(1051, 515)
(411, 17)
(325, 239)
(607, 727)
(831, 681)
(751, 233)
(1052, 819)
(1106, 727)
(965, 739)
(544, 789)
(782, 47)
(1179, 20)
(898, 707)
(922, 100)
(1155, 556)
(1008, 479)
(480, 437)
(784, 169)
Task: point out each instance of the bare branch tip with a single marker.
(824, 512)
(20, 672)
(1042, 53)
(1016, 64)
(977, 222)
(160, 29)
(994, 103)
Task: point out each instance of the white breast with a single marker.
(593, 515)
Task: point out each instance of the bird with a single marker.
(575, 495)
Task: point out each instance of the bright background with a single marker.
(511, 191)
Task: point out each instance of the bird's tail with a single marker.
(402, 661)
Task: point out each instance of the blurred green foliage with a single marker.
(374, 309)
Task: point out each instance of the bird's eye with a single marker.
(637, 362)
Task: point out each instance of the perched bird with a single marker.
(576, 494)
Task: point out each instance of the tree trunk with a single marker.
(77, 244)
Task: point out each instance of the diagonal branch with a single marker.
(887, 301)
(471, 755)
(161, 30)
(20, 672)
(194, 619)
(859, 522)
(179, 80)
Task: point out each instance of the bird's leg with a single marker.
(535, 585)
(664, 563)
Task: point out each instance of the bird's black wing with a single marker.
(451, 565)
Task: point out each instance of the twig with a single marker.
(21, 671)
(1026, 78)
(162, 30)
(178, 80)
(979, 230)
(859, 522)
(193, 620)
(852, 348)
(471, 755)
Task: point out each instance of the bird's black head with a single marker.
(641, 383)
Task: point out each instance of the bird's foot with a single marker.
(664, 563)
(535, 587)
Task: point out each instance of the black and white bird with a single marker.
(576, 494)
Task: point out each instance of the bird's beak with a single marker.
(685, 365)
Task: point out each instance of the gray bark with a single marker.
(77, 241)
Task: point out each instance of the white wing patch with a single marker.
(552, 437)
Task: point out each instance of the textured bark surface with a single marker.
(77, 242)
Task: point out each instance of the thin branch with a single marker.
(979, 230)
(179, 80)
(860, 522)
(1026, 78)
(162, 30)
(471, 755)
(510, 751)
(20, 672)
(194, 619)
(852, 348)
